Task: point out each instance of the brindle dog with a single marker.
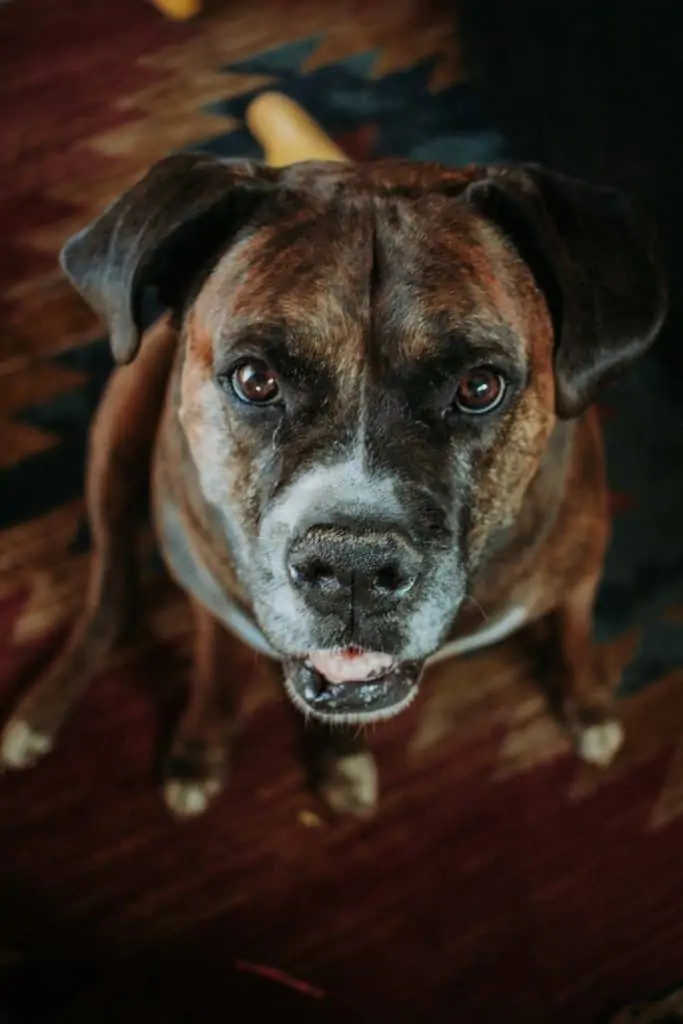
(367, 420)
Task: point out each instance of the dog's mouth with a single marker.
(350, 686)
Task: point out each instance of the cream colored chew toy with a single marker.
(178, 10)
(286, 133)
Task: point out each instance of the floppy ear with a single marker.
(158, 234)
(597, 259)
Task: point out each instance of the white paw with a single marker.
(599, 744)
(21, 746)
(189, 799)
(351, 785)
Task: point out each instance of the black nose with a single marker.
(335, 567)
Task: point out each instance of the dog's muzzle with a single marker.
(353, 575)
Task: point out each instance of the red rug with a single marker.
(501, 880)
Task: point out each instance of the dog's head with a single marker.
(374, 360)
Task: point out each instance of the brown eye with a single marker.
(254, 382)
(479, 390)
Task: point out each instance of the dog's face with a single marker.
(367, 390)
(371, 372)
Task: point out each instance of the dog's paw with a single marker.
(189, 799)
(194, 775)
(599, 744)
(350, 784)
(21, 746)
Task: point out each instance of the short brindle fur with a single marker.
(369, 293)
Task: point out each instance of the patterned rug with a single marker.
(501, 880)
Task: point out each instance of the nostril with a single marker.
(388, 579)
(313, 573)
(319, 572)
(391, 580)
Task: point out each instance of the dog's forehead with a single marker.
(446, 271)
(346, 261)
(303, 266)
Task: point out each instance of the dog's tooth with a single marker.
(315, 684)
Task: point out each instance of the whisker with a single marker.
(476, 604)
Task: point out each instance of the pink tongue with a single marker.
(350, 668)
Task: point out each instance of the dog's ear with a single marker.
(598, 261)
(159, 234)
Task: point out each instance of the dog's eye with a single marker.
(254, 382)
(479, 390)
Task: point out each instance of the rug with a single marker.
(500, 879)
(665, 1010)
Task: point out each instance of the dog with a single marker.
(368, 421)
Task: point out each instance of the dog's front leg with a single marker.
(587, 697)
(31, 731)
(117, 474)
(342, 769)
(197, 766)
